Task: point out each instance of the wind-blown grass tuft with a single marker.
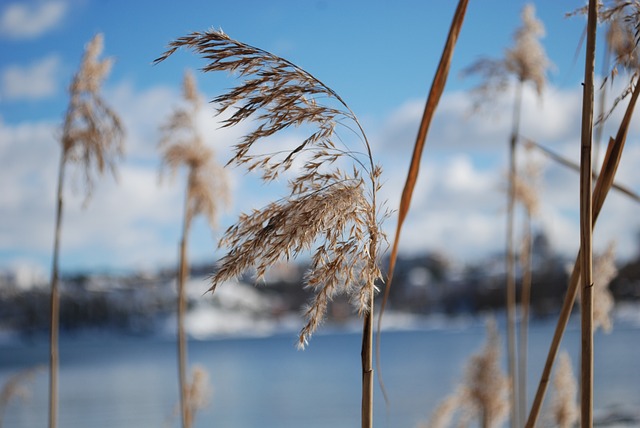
(332, 188)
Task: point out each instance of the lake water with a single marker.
(129, 382)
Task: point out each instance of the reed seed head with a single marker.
(92, 135)
(199, 389)
(565, 409)
(486, 385)
(181, 145)
(527, 61)
(444, 413)
(331, 203)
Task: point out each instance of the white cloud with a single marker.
(459, 200)
(21, 21)
(36, 81)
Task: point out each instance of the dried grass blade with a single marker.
(572, 165)
(437, 88)
(586, 223)
(602, 187)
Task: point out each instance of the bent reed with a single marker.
(332, 188)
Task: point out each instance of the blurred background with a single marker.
(119, 253)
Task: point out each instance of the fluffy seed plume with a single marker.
(199, 390)
(92, 135)
(565, 409)
(604, 271)
(445, 412)
(526, 60)
(486, 385)
(181, 144)
(622, 36)
(331, 204)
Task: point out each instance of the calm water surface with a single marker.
(127, 382)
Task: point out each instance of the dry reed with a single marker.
(198, 393)
(332, 195)
(92, 137)
(483, 393)
(486, 386)
(586, 221)
(526, 190)
(181, 145)
(603, 184)
(445, 412)
(527, 62)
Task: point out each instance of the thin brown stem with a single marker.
(603, 185)
(586, 221)
(510, 259)
(524, 323)
(182, 306)
(55, 301)
(367, 369)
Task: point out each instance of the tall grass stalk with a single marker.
(92, 137)
(332, 201)
(526, 193)
(206, 189)
(437, 88)
(483, 392)
(510, 258)
(586, 221)
(603, 184)
(526, 61)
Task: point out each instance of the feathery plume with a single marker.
(181, 144)
(329, 202)
(92, 135)
(565, 408)
(15, 387)
(604, 271)
(622, 37)
(486, 385)
(198, 391)
(445, 412)
(526, 60)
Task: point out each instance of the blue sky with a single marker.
(380, 56)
